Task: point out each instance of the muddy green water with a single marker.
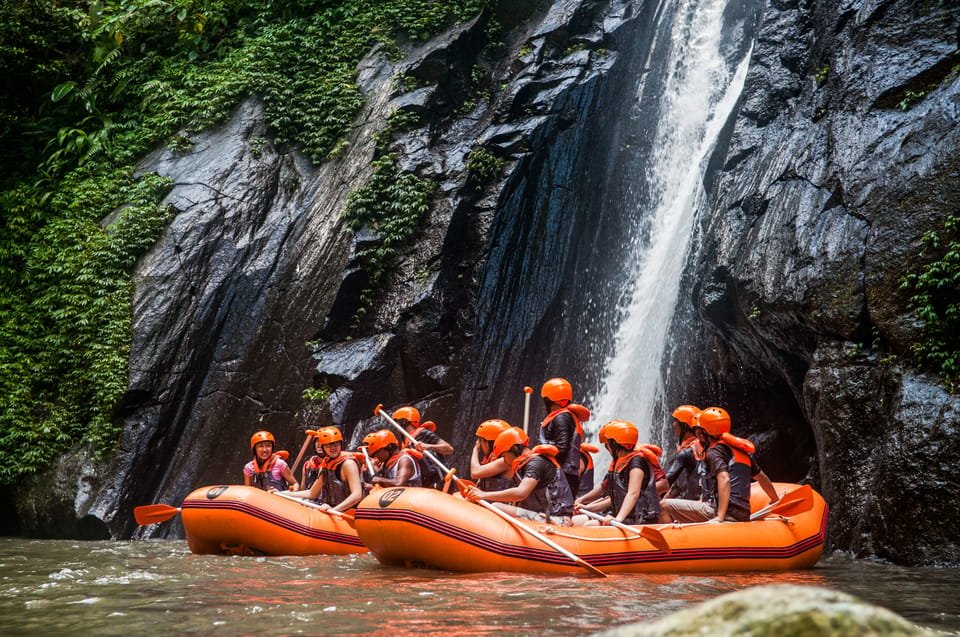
(159, 587)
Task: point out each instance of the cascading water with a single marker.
(699, 85)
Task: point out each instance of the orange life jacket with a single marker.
(547, 451)
(692, 441)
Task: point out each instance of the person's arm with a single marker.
(287, 475)
(633, 494)
(723, 495)
(247, 479)
(590, 495)
(513, 494)
(767, 486)
(598, 506)
(351, 473)
(442, 447)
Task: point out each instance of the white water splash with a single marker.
(700, 91)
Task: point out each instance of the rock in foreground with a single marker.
(781, 611)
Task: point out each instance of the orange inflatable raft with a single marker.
(425, 527)
(246, 520)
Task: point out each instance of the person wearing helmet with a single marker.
(730, 470)
(562, 429)
(687, 470)
(540, 490)
(338, 486)
(628, 492)
(267, 470)
(396, 466)
(490, 474)
(427, 440)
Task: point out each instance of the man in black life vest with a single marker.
(730, 470)
(561, 428)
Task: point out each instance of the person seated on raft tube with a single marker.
(267, 470)
(338, 486)
(540, 490)
(395, 466)
(489, 474)
(687, 470)
(409, 418)
(629, 491)
(730, 468)
(561, 428)
(311, 468)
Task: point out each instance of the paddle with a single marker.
(797, 501)
(154, 513)
(378, 411)
(303, 449)
(654, 536)
(526, 407)
(306, 503)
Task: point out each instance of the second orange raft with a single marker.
(424, 527)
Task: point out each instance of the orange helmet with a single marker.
(408, 413)
(713, 420)
(329, 435)
(557, 390)
(262, 436)
(622, 432)
(686, 414)
(380, 439)
(507, 439)
(490, 429)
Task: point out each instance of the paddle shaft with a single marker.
(526, 407)
(306, 503)
(366, 457)
(654, 536)
(303, 450)
(503, 514)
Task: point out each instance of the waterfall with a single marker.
(700, 76)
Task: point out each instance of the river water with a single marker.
(159, 587)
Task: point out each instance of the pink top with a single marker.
(276, 471)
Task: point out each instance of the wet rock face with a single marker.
(844, 153)
(761, 611)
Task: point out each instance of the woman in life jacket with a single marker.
(427, 440)
(395, 466)
(338, 486)
(489, 474)
(730, 470)
(540, 490)
(267, 470)
(628, 492)
(687, 471)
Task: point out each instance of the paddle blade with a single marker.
(154, 513)
(800, 500)
(655, 537)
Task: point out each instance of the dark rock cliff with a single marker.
(790, 313)
(844, 153)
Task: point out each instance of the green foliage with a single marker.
(822, 74)
(65, 327)
(484, 166)
(316, 395)
(935, 299)
(392, 204)
(98, 84)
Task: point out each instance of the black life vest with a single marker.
(335, 489)
(552, 495)
(647, 508)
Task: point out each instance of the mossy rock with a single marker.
(778, 611)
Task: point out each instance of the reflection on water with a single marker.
(123, 588)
